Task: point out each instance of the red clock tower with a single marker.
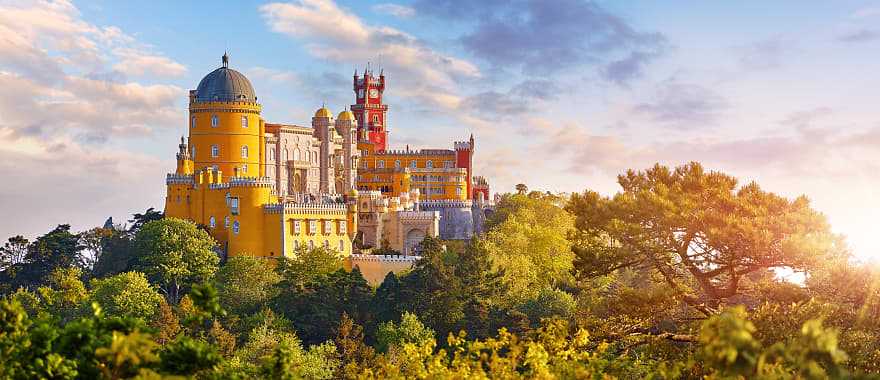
(369, 110)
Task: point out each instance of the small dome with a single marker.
(345, 116)
(225, 85)
(323, 112)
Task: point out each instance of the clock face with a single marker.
(374, 93)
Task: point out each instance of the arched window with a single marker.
(412, 164)
(397, 164)
(244, 151)
(226, 222)
(192, 123)
(296, 154)
(215, 151)
(244, 168)
(244, 122)
(212, 222)
(236, 227)
(193, 152)
(296, 244)
(272, 154)
(286, 154)
(215, 121)
(311, 245)
(314, 157)
(429, 164)
(341, 245)
(327, 244)
(380, 164)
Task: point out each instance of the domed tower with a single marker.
(226, 131)
(322, 122)
(346, 126)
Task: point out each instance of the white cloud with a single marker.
(61, 124)
(336, 34)
(395, 10)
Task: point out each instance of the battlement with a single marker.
(384, 258)
(463, 145)
(418, 215)
(422, 152)
(243, 182)
(436, 204)
(179, 179)
(306, 208)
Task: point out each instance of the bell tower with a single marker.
(370, 112)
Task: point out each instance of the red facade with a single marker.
(369, 110)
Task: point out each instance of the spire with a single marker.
(225, 59)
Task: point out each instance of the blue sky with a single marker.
(560, 95)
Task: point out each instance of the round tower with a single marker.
(226, 131)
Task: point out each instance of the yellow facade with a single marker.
(220, 180)
(432, 172)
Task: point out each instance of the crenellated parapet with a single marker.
(265, 182)
(463, 145)
(438, 204)
(415, 153)
(306, 208)
(179, 179)
(355, 258)
(418, 215)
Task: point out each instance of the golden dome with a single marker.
(345, 115)
(323, 112)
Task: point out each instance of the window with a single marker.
(327, 244)
(215, 121)
(412, 164)
(226, 222)
(215, 151)
(311, 245)
(342, 227)
(375, 119)
(380, 164)
(244, 122)
(366, 165)
(233, 205)
(341, 245)
(328, 227)
(448, 164)
(297, 227)
(397, 164)
(192, 123)
(286, 154)
(296, 154)
(429, 164)
(296, 244)
(193, 152)
(458, 191)
(244, 151)
(313, 227)
(236, 227)
(244, 168)
(215, 168)
(272, 154)
(212, 222)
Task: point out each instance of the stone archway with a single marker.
(414, 237)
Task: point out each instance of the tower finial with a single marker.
(225, 59)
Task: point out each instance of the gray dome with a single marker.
(225, 85)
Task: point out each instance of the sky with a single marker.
(561, 95)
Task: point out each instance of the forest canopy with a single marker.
(677, 275)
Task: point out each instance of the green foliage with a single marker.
(65, 293)
(187, 356)
(245, 284)
(127, 294)
(530, 245)
(306, 265)
(175, 254)
(409, 330)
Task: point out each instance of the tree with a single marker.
(127, 294)
(117, 254)
(65, 293)
(13, 252)
(57, 249)
(699, 231)
(530, 246)
(307, 265)
(522, 189)
(409, 330)
(246, 284)
(93, 245)
(175, 254)
(139, 220)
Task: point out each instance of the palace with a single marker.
(266, 189)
